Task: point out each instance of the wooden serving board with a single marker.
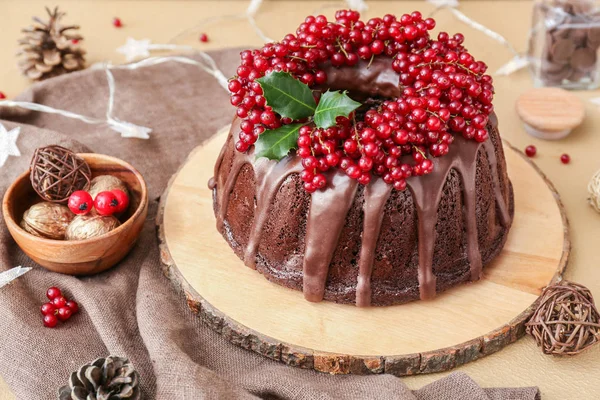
(460, 325)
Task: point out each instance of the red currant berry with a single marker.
(267, 117)
(353, 171)
(309, 187)
(53, 293)
(565, 159)
(234, 86)
(319, 181)
(122, 199)
(106, 203)
(117, 22)
(242, 147)
(400, 185)
(203, 37)
(80, 202)
(364, 178)
(320, 77)
(307, 176)
(530, 150)
(2, 96)
(73, 306)
(50, 321)
(64, 313)
(481, 135)
(48, 309)
(59, 302)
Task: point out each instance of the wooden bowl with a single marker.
(80, 257)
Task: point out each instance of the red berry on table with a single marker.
(204, 38)
(530, 150)
(59, 302)
(48, 309)
(106, 203)
(73, 306)
(2, 96)
(50, 321)
(565, 159)
(122, 200)
(80, 202)
(53, 293)
(117, 22)
(64, 313)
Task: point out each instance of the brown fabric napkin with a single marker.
(132, 310)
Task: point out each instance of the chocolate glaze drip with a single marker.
(269, 177)
(376, 195)
(427, 193)
(326, 217)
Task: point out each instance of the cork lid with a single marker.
(550, 109)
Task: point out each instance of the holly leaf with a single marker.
(277, 143)
(333, 105)
(287, 96)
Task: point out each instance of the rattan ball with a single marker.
(57, 172)
(566, 322)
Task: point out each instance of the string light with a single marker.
(135, 49)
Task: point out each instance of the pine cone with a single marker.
(110, 378)
(49, 49)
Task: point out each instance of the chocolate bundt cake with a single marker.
(404, 196)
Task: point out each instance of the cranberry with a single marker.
(106, 203)
(122, 200)
(203, 37)
(565, 158)
(73, 306)
(50, 321)
(2, 96)
(48, 308)
(80, 202)
(64, 313)
(59, 302)
(117, 22)
(53, 293)
(530, 150)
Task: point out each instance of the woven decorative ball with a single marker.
(57, 172)
(566, 321)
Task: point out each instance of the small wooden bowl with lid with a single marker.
(550, 113)
(80, 257)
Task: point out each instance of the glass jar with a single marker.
(564, 42)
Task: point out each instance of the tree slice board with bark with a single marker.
(460, 325)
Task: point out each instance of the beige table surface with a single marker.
(520, 364)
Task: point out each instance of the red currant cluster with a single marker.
(58, 308)
(105, 203)
(444, 92)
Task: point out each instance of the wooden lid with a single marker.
(550, 109)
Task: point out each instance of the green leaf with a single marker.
(333, 105)
(288, 96)
(277, 143)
